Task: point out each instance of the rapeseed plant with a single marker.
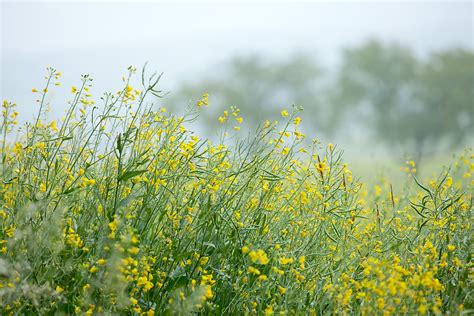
(120, 208)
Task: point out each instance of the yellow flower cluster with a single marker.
(135, 214)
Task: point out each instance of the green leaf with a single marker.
(70, 190)
(130, 174)
(119, 143)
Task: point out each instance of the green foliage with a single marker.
(121, 210)
(420, 104)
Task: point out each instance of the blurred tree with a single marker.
(406, 102)
(260, 89)
(417, 105)
(446, 93)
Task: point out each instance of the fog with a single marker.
(187, 41)
(183, 39)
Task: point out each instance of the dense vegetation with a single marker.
(120, 209)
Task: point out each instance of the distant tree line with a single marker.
(403, 101)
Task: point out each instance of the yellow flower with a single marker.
(208, 293)
(377, 190)
(86, 182)
(285, 261)
(204, 100)
(101, 262)
(422, 309)
(59, 289)
(90, 311)
(203, 260)
(301, 260)
(10, 231)
(150, 312)
(259, 256)
(380, 303)
(284, 113)
(269, 310)
(133, 250)
(253, 270)
(53, 126)
(262, 278)
(73, 89)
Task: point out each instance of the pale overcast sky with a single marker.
(185, 39)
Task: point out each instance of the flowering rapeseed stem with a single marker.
(132, 213)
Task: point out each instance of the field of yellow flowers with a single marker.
(119, 209)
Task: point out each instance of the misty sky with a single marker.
(185, 40)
